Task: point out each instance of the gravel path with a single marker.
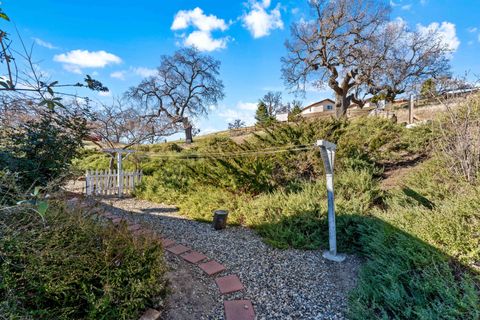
(282, 284)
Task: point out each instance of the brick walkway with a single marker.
(234, 309)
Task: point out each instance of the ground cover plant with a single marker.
(69, 265)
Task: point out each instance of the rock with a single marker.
(151, 314)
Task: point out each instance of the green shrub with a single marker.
(439, 211)
(69, 266)
(405, 278)
(27, 149)
(421, 248)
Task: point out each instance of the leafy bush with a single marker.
(9, 189)
(69, 266)
(40, 151)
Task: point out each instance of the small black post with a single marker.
(220, 219)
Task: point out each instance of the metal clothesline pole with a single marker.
(327, 151)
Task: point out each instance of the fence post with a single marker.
(87, 185)
(327, 151)
(120, 175)
(410, 110)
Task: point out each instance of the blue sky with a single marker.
(119, 42)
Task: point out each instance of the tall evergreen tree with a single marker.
(262, 116)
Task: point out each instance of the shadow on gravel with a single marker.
(159, 210)
(403, 277)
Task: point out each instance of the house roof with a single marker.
(318, 102)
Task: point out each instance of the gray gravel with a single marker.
(282, 284)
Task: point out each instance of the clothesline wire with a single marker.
(228, 154)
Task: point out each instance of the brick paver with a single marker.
(194, 257)
(239, 310)
(178, 249)
(167, 242)
(211, 267)
(142, 232)
(229, 284)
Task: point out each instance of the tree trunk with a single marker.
(188, 131)
(341, 106)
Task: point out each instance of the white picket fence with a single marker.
(110, 182)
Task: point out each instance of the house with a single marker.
(368, 104)
(282, 117)
(324, 105)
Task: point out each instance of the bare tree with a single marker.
(351, 46)
(236, 124)
(121, 126)
(458, 128)
(273, 102)
(185, 85)
(399, 59)
(118, 124)
(328, 49)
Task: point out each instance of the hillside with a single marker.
(397, 204)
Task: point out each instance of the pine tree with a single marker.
(262, 116)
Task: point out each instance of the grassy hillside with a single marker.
(420, 237)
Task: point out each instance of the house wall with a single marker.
(321, 107)
(282, 117)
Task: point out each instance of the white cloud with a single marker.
(407, 7)
(43, 43)
(204, 41)
(259, 21)
(139, 71)
(479, 38)
(446, 31)
(75, 60)
(472, 29)
(247, 105)
(183, 19)
(202, 37)
(144, 72)
(118, 75)
(105, 93)
(423, 2)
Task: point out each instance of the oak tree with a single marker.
(327, 49)
(353, 47)
(185, 85)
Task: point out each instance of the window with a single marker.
(329, 107)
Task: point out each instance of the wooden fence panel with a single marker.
(109, 182)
